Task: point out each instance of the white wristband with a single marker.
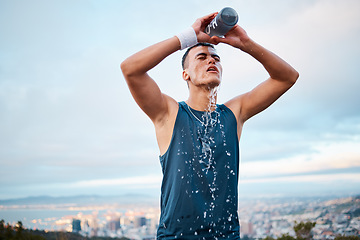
(187, 38)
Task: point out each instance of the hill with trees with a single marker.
(18, 232)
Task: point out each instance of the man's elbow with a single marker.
(296, 76)
(125, 69)
(293, 76)
(130, 69)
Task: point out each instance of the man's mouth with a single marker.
(212, 69)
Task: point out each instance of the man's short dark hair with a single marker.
(188, 50)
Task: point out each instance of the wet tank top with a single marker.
(199, 191)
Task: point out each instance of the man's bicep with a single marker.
(147, 95)
(261, 97)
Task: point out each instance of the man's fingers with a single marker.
(207, 19)
(214, 40)
(210, 16)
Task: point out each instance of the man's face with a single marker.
(203, 67)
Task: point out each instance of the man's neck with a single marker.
(203, 100)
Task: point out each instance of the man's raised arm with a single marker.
(142, 87)
(282, 76)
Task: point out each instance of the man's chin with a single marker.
(214, 84)
(210, 84)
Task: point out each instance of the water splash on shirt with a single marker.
(210, 118)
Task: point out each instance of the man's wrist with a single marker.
(249, 46)
(187, 38)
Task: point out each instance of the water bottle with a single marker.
(222, 23)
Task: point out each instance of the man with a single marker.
(198, 139)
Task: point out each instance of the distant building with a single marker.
(114, 225)
(140, 221)
(246, 228)
(76, 225)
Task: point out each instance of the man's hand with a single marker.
(200, 25)
(236, 37)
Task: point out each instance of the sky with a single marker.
(69, 126)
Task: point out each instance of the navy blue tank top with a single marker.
(199, 192)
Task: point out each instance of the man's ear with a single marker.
(185, 75)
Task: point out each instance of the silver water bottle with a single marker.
(222, 23)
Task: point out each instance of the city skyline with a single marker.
(69, 126)
(258, 218)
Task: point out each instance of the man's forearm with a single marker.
(276, 67)
(146, 59)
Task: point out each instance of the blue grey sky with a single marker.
(69, 126)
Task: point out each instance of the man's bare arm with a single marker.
(282, 76)
(142, 87)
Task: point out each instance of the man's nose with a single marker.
(211, 60)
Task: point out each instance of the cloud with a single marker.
(140, 181)
(67, 116)
(326, 156)
(329, 178)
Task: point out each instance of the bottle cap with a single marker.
(229, 16)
